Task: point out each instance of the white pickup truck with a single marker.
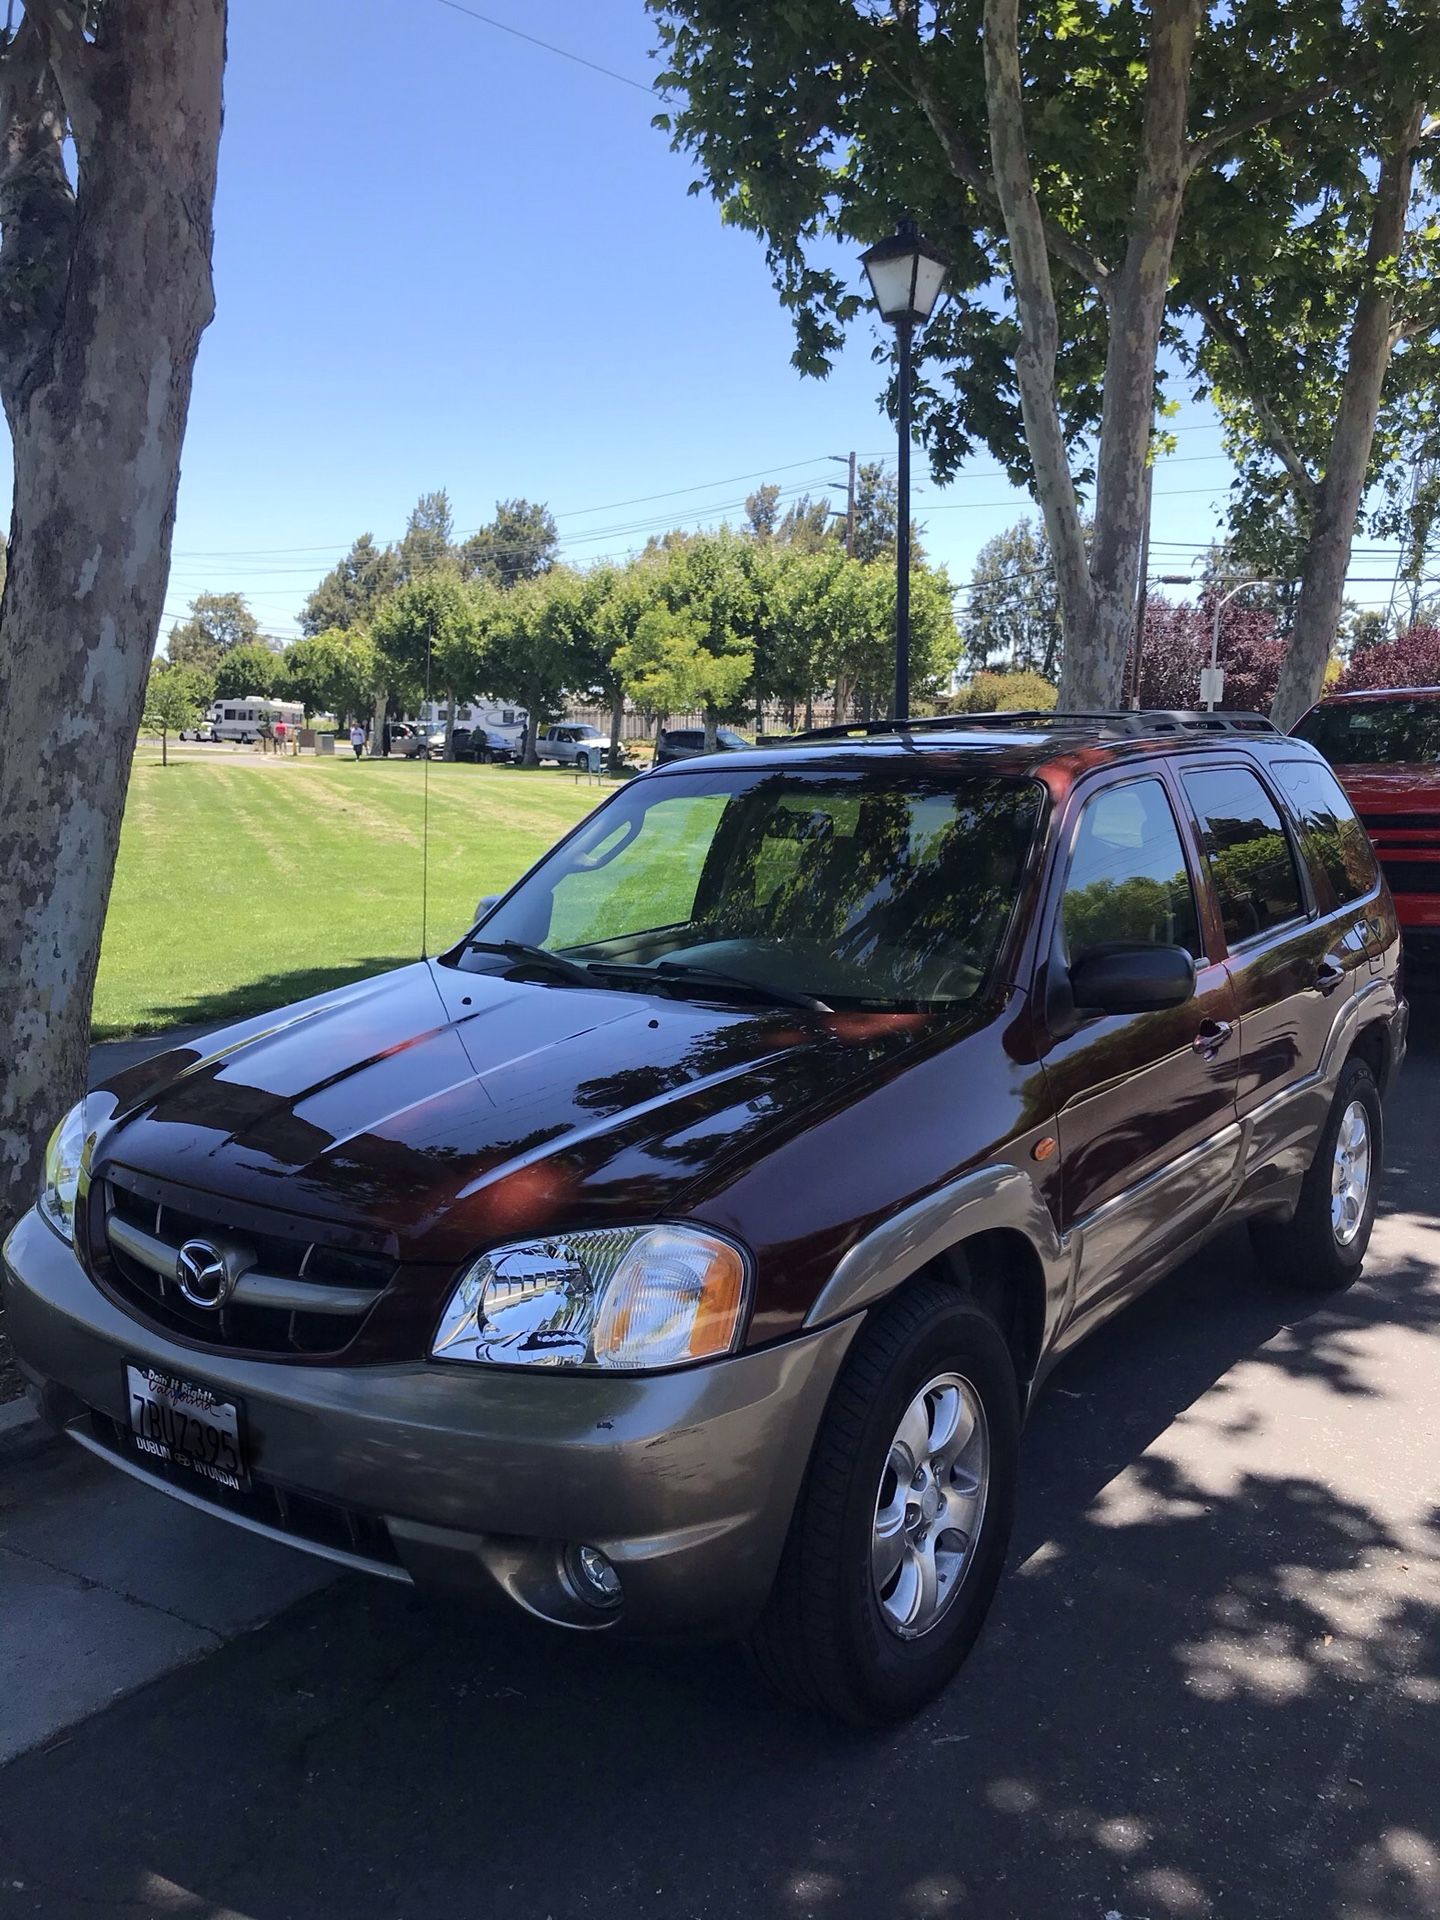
(573, 745)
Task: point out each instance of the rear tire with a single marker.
(842, 1632)
(1322, 1249)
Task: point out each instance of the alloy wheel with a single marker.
(930, 1505)
(1350, 1174)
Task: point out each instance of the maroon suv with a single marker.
(682, 1250)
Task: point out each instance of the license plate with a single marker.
(186, 1424)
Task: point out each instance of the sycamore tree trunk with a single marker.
(379, 708)
(1335, 502)
(1098, 583)
(449, 727)
(712, 726)
(104, 294)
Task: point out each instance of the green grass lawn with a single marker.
(245, 882)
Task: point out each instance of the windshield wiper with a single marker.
(522, 953)
(702, 976)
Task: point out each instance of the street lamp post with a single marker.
(906, 274)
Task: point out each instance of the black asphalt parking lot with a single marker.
(1210, 1686)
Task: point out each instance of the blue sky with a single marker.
(446, 257)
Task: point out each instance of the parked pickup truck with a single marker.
(572, 745)
(682, 1251)
(1385, 749)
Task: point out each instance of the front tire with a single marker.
(582, 762)
(1322, 1249)
(899, 1536)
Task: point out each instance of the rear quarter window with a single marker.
(1247, 851)
(1333, 839)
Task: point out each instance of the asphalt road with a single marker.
(1211, 1684)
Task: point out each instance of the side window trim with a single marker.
(1299, 864)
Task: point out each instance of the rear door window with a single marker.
(1334, 839)
(1247, 851)
(1128, 880)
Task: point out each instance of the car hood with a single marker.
(434, 1109)
(1393, 789)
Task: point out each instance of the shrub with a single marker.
(1023, 692)
(1412, 659)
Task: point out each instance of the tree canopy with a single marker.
(251, 667)
(1085, 165)
(1012, 616)
(349, 594)
(518, 544)
(217, 623)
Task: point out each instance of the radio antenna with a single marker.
(425, 808)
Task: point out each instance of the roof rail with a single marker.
(1127, 723)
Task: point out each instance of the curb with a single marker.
(23, 1433)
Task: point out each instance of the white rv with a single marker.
(242, 718)
(503, 724)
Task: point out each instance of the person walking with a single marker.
(357, 740)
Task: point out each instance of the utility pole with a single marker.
(848, 462)
(1142, 586)
(844, 460)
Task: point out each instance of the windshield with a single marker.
(1375, 733)
(884, 888)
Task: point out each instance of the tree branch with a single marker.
(1141, 291)
(970, 173)
(1206, 145)
(1039, 325)
(1418, 323)
(72, 60)
(37, 209)
(1223, 329)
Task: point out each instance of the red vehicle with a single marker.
(1385, 749)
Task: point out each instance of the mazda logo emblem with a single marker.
(202, 1275)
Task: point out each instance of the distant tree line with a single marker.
(724, 622)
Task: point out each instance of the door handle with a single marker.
(1330, 974)
(1210, 1036)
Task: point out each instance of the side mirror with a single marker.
(1125, 978)
(484, 904)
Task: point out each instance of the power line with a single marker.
(569, 513)
(503, 26)
(654, 523)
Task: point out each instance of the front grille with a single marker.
(300, 1516)
(295, 1297)
(1411, 876)
(1383, 823)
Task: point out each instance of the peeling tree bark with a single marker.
(104, 294)
(1336, 504)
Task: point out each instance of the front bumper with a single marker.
(463, 1478)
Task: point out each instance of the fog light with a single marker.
(592, 1576)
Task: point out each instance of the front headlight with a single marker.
(64, 1158)
(617, 1298)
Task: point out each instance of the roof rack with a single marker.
(1124, 724)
